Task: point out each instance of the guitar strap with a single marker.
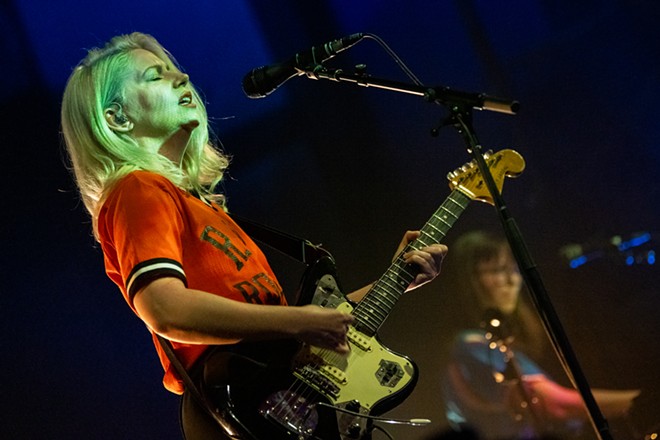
(297, 248)
(189, 384)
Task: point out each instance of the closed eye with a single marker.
(154, 73)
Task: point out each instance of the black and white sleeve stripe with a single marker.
(149, 270)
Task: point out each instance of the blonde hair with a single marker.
(100, 156)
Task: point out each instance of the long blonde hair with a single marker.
(100, 156)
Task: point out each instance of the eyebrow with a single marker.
(159, 68)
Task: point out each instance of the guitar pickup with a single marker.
(334, 373)
(358, 339)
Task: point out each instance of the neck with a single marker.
(172, 146)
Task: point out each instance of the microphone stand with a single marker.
(460, 105)
(497, 332)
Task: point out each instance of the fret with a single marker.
(393, 289)
(397, 283)
(464, 197)
(376, 306)
(384, 292)
(373, 302)
(386, 297)
(372, 319)
(448, 216)
(445, 222)
(420, 240)
(442, 233)
(451, 210)
(387, 294)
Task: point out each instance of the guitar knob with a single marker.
(354, 431)
(354, 406)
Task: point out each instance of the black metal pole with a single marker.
(539, 294)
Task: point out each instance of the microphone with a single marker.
(263, 80)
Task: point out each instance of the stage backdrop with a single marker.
(347, 166)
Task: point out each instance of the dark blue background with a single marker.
(346, 166)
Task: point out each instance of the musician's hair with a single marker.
(99, 156)
(459, 272)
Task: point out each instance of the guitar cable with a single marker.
(413, 422)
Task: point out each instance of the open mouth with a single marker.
(186, 99)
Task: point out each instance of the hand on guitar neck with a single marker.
(428, 259)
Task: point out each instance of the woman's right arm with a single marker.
(191, 316)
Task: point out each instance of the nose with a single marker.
(513, 276)
(181, 80)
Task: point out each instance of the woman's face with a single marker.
(158, 100)
(498, 282)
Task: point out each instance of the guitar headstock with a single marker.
(468, 178)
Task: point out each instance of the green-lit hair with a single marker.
(100, 156)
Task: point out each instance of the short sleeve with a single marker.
(140, 227)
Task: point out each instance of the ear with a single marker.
(116, 119)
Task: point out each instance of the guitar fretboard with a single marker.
(377, 304)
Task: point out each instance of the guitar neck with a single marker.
(379, 301)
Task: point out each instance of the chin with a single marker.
(508, 310)
(190, 125)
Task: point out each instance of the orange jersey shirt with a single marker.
(149, 228)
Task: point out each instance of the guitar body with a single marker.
(238, 383)
(284, 389)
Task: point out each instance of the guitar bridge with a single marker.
(317, 380)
